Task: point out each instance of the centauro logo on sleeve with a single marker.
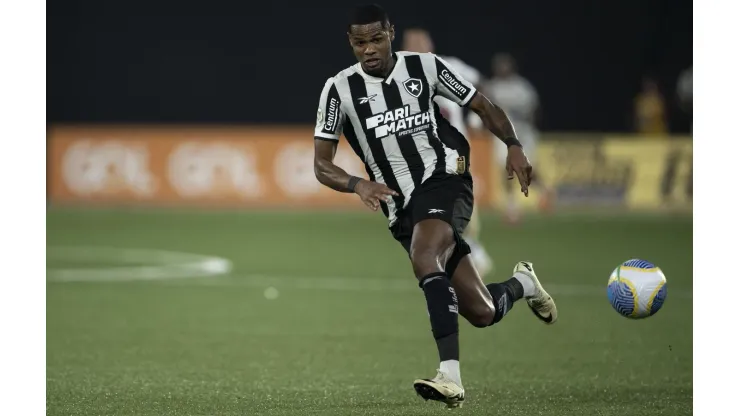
(398, 121)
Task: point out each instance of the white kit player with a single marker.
(419, 40)
(519, 99)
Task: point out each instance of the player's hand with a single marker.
(518, 164)
(372, 193)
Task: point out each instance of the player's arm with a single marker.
(336, 178)
(329, 119)
(450, 84)
(494, 118)
(497, 122)
(326, 171)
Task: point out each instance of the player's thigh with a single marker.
(474, 301)
(426, 242)
(441, 212)
(432, 243)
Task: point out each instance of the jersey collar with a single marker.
(373, 79)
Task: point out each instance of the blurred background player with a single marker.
(518, 97)
(650, 110)
(419, 40)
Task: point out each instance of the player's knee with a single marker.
(481, 317)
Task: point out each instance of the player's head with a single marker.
(370, 35)
(503, 65)
(417, 40)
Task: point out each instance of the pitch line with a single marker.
(135, 264)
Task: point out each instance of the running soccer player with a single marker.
(454, 133)
(384, 107)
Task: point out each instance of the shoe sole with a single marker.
(428, 392)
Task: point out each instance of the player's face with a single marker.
(371, 45)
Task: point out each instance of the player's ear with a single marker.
(349, 34)
(392, 33)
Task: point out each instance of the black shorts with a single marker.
(443, 196)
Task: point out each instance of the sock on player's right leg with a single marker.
(527, 284)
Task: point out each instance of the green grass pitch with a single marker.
(348, 331)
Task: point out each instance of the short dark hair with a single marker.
(369, 13)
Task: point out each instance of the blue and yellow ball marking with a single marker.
(656, 298)
(623, 294)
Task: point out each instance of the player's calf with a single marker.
(485, 305)
(476, 303)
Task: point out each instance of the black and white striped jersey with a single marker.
(390, 123)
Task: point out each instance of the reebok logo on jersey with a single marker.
(413, 86)
(436, 211)
(365, 100)
(453, 84)
(398, 121)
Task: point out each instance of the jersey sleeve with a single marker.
(329, 117)
(469, 73)
(450, 84)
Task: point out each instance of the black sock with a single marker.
(515, 287)
(442, 307)
(504, 295)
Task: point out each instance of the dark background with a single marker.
(266, 62)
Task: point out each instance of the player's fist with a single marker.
(518, 164)
(371, 193)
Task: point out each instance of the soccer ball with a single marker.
(637, 289)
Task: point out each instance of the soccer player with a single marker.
(383, 105)
(519, 99)
(419, 40)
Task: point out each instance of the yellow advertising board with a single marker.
(613, 171)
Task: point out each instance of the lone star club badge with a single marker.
(413, 86)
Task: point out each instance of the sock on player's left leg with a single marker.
(443, 309)
(451, 368)
(504, 295)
